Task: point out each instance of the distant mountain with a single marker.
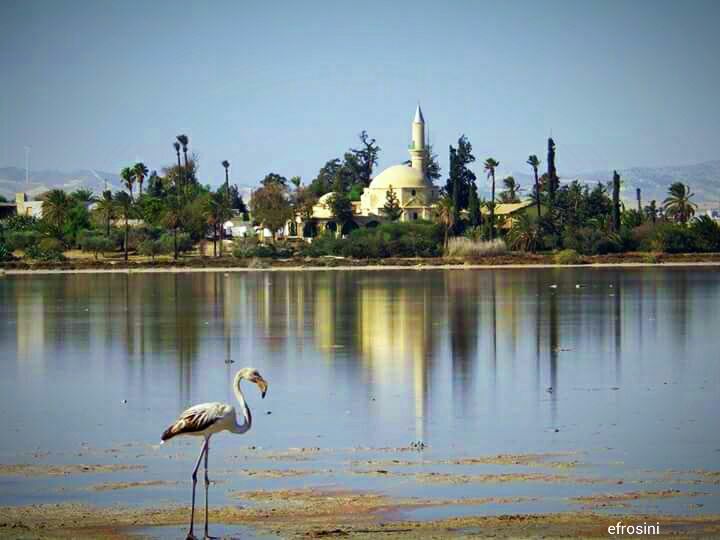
(12, 181)
(703, 178)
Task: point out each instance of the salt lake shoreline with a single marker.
(374, 267)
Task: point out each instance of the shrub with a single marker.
(591, 241)
(325, 244)
(464, 247)
(651, 258)
(97, 244)
(48, 249)
(251, 247)
(672, 238)
(22, 239)
(151, 248)
(19, 222)
(167, 242)
(705, 234)
(5, 253)
(567, 256)
(643, 236)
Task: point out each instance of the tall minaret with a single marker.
(417, 147)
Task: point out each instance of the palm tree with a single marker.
(140, 171)
(534, 162)
(226, 165)
(523, 234)
(55, 208)
(511, 194)
(128, 178)
(217, 211)
(124, 206)
(184, 141)
(83, 196)
(490, 166)
(678, 205)
(176, 146)
(106, 208)
(172, 220)
(445, 214)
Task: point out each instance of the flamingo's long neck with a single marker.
(247, 417)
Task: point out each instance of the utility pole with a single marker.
(27, 166)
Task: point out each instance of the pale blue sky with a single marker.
(285, 86)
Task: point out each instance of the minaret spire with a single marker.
(417, 147)
(418, 116)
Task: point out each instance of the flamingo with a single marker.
(206, 419)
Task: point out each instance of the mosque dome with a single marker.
(325, 199)
(399, 177)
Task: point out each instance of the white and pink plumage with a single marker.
(206, 419)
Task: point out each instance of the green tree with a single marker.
(140, 171)
(460, 177)
(274, 178)
(56, 208)
(392, 209)
(534, 162)
(445, 215)
(124, 208)
(366, 157)
(324, 181)
(490, 166)
(474, 213)
(341, 208)
(678, 205)
(270, 206)
(616, 202)
(511, 193)
(553, 182)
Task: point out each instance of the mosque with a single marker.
(415, 193)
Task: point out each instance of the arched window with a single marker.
(413, 192)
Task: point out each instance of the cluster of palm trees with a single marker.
(132, 175)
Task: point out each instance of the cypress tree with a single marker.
(616, 201)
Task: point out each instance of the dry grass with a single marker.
(465, 247)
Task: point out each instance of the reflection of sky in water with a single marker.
(459, 359)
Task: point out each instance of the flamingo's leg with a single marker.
(190, 535)
(207, 485)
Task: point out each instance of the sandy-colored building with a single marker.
(416, 194)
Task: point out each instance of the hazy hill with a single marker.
(703, 178)
(12, 180)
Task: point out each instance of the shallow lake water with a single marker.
(614, 371)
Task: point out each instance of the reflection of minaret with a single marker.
(395, 340)
(417, 147)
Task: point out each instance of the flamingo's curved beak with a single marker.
(262, 384)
